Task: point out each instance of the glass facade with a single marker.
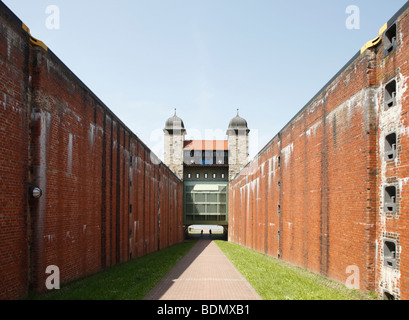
(206, 202)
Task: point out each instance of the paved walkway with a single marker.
(204, 273)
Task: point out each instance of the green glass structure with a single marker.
(206, 203)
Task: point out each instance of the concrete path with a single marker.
(204, 273)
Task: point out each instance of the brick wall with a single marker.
(392, 226)
(306, 197)
(14, 146)
(106, 198)
(314, 195)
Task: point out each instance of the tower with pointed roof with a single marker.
(177, 150)
(174, 143)
(238, 144)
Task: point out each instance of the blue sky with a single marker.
(207, 58)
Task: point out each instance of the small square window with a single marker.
(390, 40)
(390, 199)
(197, 175)
(388, 296)
(390, 147)
(205, 175)
(189, 175)
(223, 176)
(214, 176)
(389, 253)
(390, 95)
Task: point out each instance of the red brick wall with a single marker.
(332, 178)
(326, 219)
(106, 199)
(394, 226)
(14, 146)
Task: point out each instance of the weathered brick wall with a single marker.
(106, 198)
(393, 226)
(314, 210)
(14, 146)
(322, 208)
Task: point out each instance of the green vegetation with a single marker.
(276, 280)
(130, 281)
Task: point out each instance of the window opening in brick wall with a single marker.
(390, 199)
(279, 162)
(390, 95)
(390, 146)
(388, 296)
(389, 253)
(390, 39)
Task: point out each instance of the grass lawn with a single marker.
(276, 280)
(130, 281)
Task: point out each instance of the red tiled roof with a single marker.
(206, 145)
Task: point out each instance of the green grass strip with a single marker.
(277, 280)
(129, 281)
